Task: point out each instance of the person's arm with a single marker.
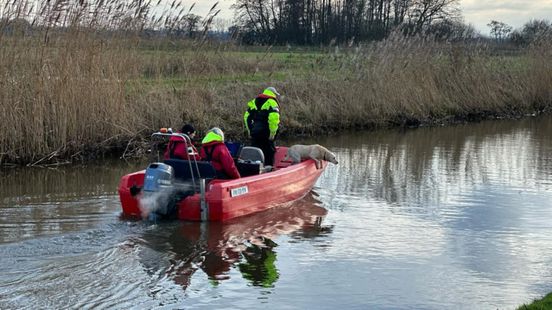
(175, 150)
(202, 154)
(228, 163)
(246, 121)
(273, 119)
(180, 151)
(247, 117)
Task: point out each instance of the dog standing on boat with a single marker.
(316, 152)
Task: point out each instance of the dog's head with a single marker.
(329, 156)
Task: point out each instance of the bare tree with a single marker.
(499, 30)
(423, 13)
(189, 24)
(221, 25)
(256, 18)
(323, 21)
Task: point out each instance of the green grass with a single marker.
(243, 66)
(542, 304)
(177, 82)
(251, 65)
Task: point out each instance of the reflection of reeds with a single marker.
(430, 165)
(78, 76)
(27, 186)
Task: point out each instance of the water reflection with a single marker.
(432, 165)
(474, 200)
(44, 201)
(178, 250)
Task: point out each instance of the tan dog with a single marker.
(317, 152)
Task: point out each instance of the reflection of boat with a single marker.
(246, 243)
(220, 200)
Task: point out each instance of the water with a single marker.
(433, 218)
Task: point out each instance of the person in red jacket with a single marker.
(215, 151)
(176, 149)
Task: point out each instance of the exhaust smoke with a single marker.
(163, 202)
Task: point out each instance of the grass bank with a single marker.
(79, 93)
(542, 304)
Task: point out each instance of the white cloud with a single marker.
(202, 7)
(515, 13)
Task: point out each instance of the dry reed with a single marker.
(77, 83)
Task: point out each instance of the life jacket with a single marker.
(176, 149)
(215, 151)
(258, 119)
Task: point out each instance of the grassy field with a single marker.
(542, 304)
(78, 95)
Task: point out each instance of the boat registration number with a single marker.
(238, 191)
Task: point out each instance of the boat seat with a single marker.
(182, 169)
(251, 154)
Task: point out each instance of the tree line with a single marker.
(279, 22)
(308, 22)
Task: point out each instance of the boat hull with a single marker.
(130, 202)
(231, 199)
(228, 199)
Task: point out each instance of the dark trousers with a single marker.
(267, 147)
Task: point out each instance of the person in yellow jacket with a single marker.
(215, 151)
(262, 120)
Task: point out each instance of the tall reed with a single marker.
(76, 84)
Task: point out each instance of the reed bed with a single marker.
(83, 91)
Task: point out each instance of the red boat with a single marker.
(209, 199)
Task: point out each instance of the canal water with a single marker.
(453, 217)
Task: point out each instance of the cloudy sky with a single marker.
(512, 12)
(476, 12)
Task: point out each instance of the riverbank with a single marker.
(540, 304)
(77, 96)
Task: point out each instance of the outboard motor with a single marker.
(159, 190)
(158, 176)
